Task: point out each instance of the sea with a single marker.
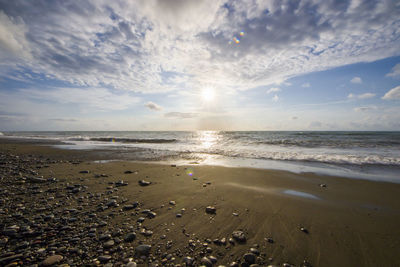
(362, 155)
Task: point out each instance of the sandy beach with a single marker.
(67, 207)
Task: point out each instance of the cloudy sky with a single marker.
(191, 64)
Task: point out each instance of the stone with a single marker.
(239, 236)
(85, 171)
(143, 250)
(109, 244)
(104, 258)
(144, 183)
(250, 258)
(206, 262)
(51, 260)
(304, 230)
(211, 210)
(130, 237)
(131, 264)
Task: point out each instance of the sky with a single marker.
(199, 65)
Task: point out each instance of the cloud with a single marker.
(315, 124)
(63, 120)
(364, 109)
(361, 96)
(392, 94)
(294, 118)
(153, 106)
(134, 45)
(101, 99)
(275, 98)
(356, 80)
(13, 43)
(395, 71)
(181, 115)
(272, 90)
(306, 85)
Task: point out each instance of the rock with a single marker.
(131, 264)
(304, 230)
(269, 240)
(151, 214)
(178, 215)
(144, 183)
(104, 258)
(234, 264)
(206, 262)
(143, 250)
(128, 172)
(211, 210)
(140, 219)
(121, 183)
(188, 261)
(85, 171)
(130, 237)
(109, 244)
(172, 202)
(51, 260)
(255, 251)
(128, 207)
(239, 236)
(322, 185)
(250, 258)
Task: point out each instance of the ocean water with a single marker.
(368, 155)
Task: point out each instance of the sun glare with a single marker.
(208, 94)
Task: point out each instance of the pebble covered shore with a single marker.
(52, 222)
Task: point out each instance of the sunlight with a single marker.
(208, 94)
(208, 138)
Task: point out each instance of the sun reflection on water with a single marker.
(208, 138)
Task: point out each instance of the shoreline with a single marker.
(285, 217)
(382, 173)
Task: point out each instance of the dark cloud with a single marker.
(153, 106)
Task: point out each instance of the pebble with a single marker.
(239, 236)
(130, 237)
(143, 250)
(206, 262)
(49, 261)
(144, 183)
(211, 210)
(104, 258)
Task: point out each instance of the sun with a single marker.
(208, 94)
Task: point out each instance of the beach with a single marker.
(77, 208)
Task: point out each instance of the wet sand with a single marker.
(285, 217)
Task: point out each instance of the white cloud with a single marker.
(272, 90)
(361, 96)
(136, 45)
(306, 85)
(13, 43)
(356, 80)
(364, 109)
(153, 106)
(395, 71)
(392, 94)
(275, 98)
(86, 98)
(180, 115)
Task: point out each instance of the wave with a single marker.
(124, 140)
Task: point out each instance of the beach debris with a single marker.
(304, 230)
(211, 210)
(239, 236)
(144, 183)
(85, 171)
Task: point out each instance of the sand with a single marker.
(348, 222)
